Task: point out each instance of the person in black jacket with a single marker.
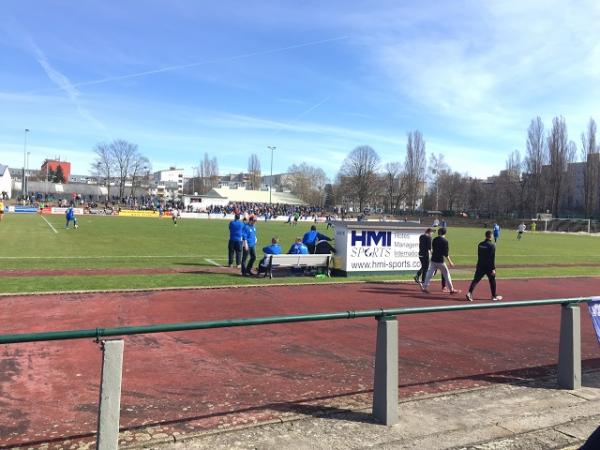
(486, 266)
(424, 254)
(439, 255)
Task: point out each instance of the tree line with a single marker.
(552, 175)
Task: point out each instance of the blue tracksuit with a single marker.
(311, 237)
(249, 235)
(273, 249)
(236, 227)
(298, 249)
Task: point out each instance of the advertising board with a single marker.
(137, 213)
(376, 247)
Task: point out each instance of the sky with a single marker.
(315, 79)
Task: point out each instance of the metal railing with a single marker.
(385, 390)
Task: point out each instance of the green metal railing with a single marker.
(204, 325)
(385, 385)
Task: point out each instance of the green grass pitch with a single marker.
(29, 246)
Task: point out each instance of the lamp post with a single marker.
(24, 179)
(272, 148)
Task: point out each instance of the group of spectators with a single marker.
(243, 240)
(265, 209)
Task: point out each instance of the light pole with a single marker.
(24, 180)
(272, 148)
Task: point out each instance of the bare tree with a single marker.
(104, 165)
(140, 168)
(393, 180)
(535, 159)
(414, 168)
(591, 158)
(358, 174)
(124, 153)
(208, 173)
(307, 182)
(510, 186)
(254, 171)
(437, 166)
(559, 150)
(452, 187)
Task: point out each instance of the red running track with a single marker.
(191, 381)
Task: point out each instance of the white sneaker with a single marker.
(497, 298)
(469, 297)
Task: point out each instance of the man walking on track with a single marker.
(235, 241)
(440, 252)
(486, 265)
(424, 254)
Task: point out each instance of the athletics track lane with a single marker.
(201, 380)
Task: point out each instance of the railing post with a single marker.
(569, 353)
(385, 386)
(110, 395)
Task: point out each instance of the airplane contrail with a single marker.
(200, 63)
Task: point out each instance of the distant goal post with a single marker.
(567, 225)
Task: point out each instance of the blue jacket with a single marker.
(236, 227)
(70, 214)
(273, 249)
(298, 249)
(496, 230)
(311, 237)
(249, 235)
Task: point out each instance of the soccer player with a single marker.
(486, 266)
(1, 209)
(298, 248)
(311, 238)
(70, 216)
(520, 230)
(496, 232)
(440, 253)
(249, 246)
(235, 241)
(175, 215)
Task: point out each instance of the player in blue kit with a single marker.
(70, 216)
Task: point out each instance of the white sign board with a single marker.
(376, 248)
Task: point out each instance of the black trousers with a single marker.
(424, 267)
(247, 267)
(480, 272)
(422, 273)
(235, 248)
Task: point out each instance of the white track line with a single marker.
(210, 261)
(49, 224)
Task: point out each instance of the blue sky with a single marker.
(316, 79)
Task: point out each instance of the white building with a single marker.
(5, 181)
(165, 180)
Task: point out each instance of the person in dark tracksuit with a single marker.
(236, 228)
(424, 255)
(486, 266)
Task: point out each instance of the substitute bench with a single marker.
(298, 261)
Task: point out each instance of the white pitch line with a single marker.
(108, 257)
(210, 261)
(49, 224)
